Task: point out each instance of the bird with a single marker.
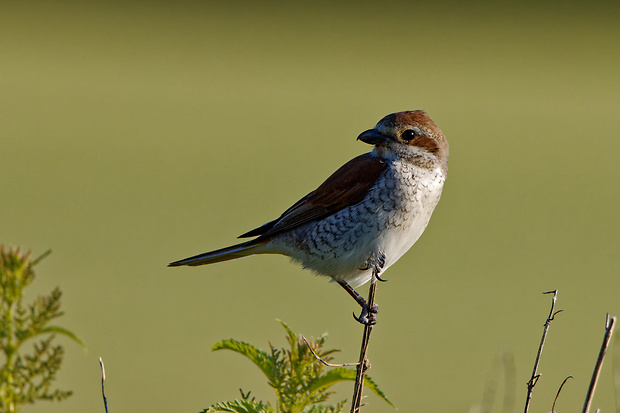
(364, 216)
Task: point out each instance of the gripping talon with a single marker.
(367, 317)
(365, 321)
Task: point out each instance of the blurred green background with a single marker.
(137, 133)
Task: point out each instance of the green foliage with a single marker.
(245, 405)
(299, 380)
(25, 378)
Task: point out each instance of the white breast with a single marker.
(389, 220)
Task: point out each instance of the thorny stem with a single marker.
(535, 375)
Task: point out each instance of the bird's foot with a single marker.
(368, 316)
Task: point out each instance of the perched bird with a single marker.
(366, 215)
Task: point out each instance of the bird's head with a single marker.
(410, 135)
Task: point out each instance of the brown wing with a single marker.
(347, 186)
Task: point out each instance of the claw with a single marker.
(381, 260)
(367, 317)
(376, 263)
(364, 321)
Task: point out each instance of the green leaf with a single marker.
(290, 332)
(262, 360)
(376, 390)
(338, 374)
(326, 409)
(292, 339)
(27, 376)
(240, 406)
(300, 382)
(62, 331)
(333, 376)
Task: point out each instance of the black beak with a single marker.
(373, 137)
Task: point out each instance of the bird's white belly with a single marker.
(388, 221)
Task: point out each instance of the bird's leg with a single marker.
(368, 315)
(356, 296)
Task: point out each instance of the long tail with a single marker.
(229, 253)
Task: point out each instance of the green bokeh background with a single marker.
(137, 133)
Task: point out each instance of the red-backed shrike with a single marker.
(366, 215)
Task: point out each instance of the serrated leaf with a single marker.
(333, 376)
(340, 374)
(299, 382)
(290, 332)
(260, 358)
(376, 390)
(240, 406)
(292, 339)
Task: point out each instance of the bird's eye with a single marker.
(408, 135)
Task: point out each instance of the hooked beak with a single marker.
(373, 137)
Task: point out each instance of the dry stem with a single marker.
(364, 364)
(535, 375)
(609, 330)
(558, 393)
(323, 362)
(105, 401)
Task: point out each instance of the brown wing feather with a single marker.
(347, 186)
